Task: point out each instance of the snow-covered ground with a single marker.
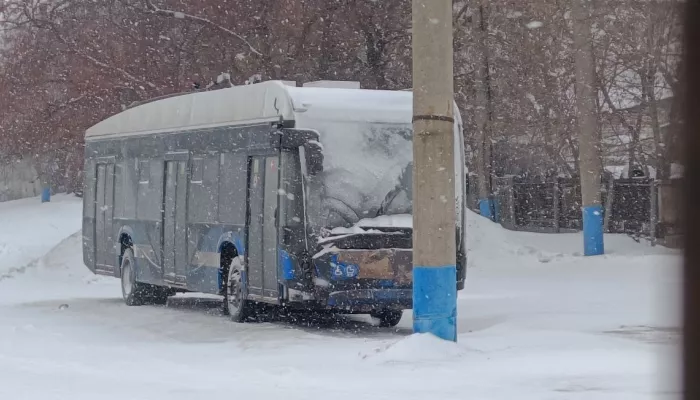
(29, 230)
(536, 321)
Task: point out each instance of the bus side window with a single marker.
(233, 184)
(291, 196)
(197, 171)
(149, 197)
(119, 188)
(144, 172)
(204, 190)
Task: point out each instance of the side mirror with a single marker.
(314, 157)
(308, 139)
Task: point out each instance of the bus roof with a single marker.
(262, 102)
(252, 103)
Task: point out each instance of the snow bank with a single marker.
(417, 349)
(29, 228)
(63, 267)
(489, 243)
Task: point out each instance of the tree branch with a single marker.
(104, 65)
(153, 9)
(51, 26)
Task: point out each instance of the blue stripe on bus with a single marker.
(287, 264)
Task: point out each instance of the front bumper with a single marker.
(365, 300)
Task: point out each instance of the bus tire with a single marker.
(237, 307)
(138, 293)
(152, 294)
(387, 317)
(132, 291)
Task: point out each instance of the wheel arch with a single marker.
(227, 252)
(233, 238)
(125, 240)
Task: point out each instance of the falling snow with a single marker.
(537, 320)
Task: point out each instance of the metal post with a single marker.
(556, 196)
(609, 205)
(434, 253)
(45, 194)
(511, 201)
(653, 212)
(45, 189)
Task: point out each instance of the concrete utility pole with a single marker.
(434, 254)
(589, 144)
(483, 112)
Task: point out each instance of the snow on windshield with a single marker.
(363, 163)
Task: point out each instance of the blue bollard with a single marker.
(593, 244)
(435, 301)
(46, 194)
(485, 208)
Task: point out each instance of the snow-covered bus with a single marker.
(264, 194)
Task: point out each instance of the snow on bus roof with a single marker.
(342, 104)
(265, 101)
(250, 103)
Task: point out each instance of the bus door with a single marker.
(175, 220)
(105, 257)
(263, 183)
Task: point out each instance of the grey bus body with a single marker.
(309, 187)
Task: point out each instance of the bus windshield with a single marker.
(366, 173)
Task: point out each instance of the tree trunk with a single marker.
(632, 148)
(659, 144)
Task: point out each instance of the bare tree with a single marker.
(66, 65)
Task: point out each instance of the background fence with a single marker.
(638, 207)
(18, 180)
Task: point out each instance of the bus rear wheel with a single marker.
(387, 317)
(138, 293)
(237, 307)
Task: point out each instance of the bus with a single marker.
(265, 194)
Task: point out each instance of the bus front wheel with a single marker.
(387, 317)
(237, 307)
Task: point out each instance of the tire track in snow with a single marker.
(14, 271)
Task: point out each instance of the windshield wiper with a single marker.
(388, 199)
(332, 202)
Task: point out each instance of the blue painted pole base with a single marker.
(45, 195)
(593, 244)
(485, 207)
(435, 301)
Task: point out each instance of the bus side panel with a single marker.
(461, 193)
(145, 239)
(206, 243)
(148, 224)
(217, 214)
(203, 230)
(89, 187)
(217, 175)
